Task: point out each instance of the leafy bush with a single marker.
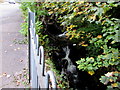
(90, 25)
(111, 79)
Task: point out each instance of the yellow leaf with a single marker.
(67, 34)
(91, 58)
(81, 43)
(70, 17)
(82, 32)
(77, 35)
(80, 2)
(99, 36)
(63, 10)
(103, 22)
(94, 17)
(72, 37)
(111, 80)
(75, 9)
(71, 26)
(91, 72)
(116, 71)
(79, 12)
(56, 9)
(82, 37)
(85, 45)
(114, 85)
(50, 12)
(112, 42)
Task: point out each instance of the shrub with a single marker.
(88, 24)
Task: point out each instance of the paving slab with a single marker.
(13, 56)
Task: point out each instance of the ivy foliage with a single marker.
(90, 25)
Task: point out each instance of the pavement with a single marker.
(13, 56)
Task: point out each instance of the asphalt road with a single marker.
(13, 57)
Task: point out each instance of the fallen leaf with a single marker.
(1, 76)
(18, 83)
(11, 45)
(8, 76)
(18, 48)
(15, 49)
(21, 60)
(5, 51)
(16, 73)
(4, 74)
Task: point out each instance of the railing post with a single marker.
(37, 44)
(42, 60)
(29, 49)
(50, 76)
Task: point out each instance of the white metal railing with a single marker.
(39, 78)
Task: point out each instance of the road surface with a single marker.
(13, 57)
